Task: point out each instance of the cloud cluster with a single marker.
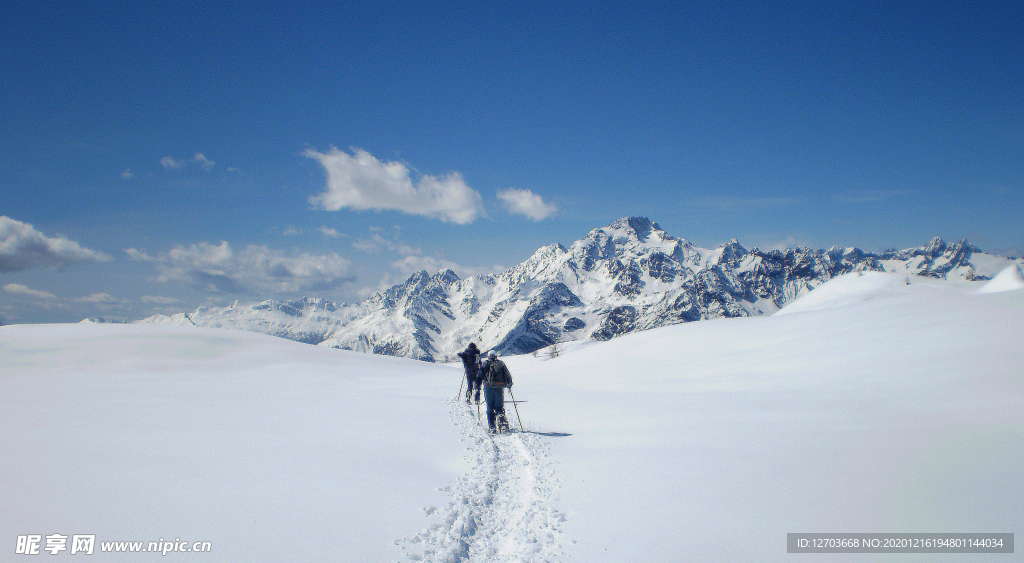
(377, 243)
(18, 289)
(171, 164)
(22, 247)
(138, 255)
(412, 264)
(100, 299)
(526, 203)
(203, 162)
(361, 182)
(48, 301)
(254, 270)
(199, 160)
(413, 259)
(159, 300)
(329, 232)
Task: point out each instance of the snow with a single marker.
(1010, 279)
(897, 408)
(846, 290)
(631, 265)
(867, 405)
(989, 265)
(270, 449)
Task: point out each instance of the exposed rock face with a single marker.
(628, 276)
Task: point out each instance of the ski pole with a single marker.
(459, 394)
(516, 405)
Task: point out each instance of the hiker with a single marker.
(496, 378)
(471, 361)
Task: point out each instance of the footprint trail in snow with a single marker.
(501, 509)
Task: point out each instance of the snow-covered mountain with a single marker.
(622, 278)
(872, 404)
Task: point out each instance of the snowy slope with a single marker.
(1010, 279)
(621, 278)
(269, 449)
(876, 406)
(879, 406)
(848, 290)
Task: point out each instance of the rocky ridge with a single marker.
(625, 277)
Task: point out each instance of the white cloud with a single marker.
(23, 247)
(377, 243)
(413, 260)
(527, 203)
(106, 303)
(203, 162)
(127, 174)
(99, 299)
(138, 255)
(18, 289)
(329, 232)
(252, 270)
(171, 164)
(412, 264)
(784, 244)
(367, 291)
(290, 231)
(159, 300)
(361, 182)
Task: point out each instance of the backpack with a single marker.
(497, 375)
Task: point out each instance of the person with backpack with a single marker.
(496, 378)
(471, 361)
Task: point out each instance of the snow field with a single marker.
(1010, 279)
(869, 405)
(876, 407)
(502, 509)
(269, 449)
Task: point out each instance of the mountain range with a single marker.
(621, 278)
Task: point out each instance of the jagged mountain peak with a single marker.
(628, 238)
(636, 228)
(642, 227)
(935, 247)
(732, 251)
(547, 252)
(445, 277)
(627, 276)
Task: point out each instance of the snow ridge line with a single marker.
(501, 510)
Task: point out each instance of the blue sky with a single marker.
(155, 157)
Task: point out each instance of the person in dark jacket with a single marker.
(496, 378)
(471, 361)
